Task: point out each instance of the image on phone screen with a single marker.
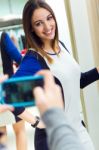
(19, 91)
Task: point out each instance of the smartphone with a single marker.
(19, 91)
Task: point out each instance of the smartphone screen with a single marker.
(19, 91)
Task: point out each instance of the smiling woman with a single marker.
(41, 32)
(41, 28)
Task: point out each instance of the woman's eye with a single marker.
(38, 24)
(50, 17)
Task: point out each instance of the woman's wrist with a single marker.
(36, 122)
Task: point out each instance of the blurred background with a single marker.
(78, 23)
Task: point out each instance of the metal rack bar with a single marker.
(10, 27)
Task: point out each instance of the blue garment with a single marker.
(9, 47)
(7, 64)
(30, 65)
(88, 77)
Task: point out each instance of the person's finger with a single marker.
(39, 95)
(5, 107)
(40, 99)
(3, 78)
(48, 77)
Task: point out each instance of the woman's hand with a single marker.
(41, 125)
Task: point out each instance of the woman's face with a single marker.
(43, 24)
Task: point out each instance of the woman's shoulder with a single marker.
(30, 64)
(33, 58)
(31, 52)
(34, 54)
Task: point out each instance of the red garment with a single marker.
(23, 51)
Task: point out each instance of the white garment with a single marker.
(68, 72)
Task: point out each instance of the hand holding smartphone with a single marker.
(19, 91)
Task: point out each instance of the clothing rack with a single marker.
(11, 27)
(18, 30)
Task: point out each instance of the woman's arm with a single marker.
(89, 77)
(29, 66)
(30, 118)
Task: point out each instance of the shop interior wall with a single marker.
(11, 7)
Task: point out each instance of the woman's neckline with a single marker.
(53, 53)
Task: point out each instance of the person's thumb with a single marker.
(5, 107)
(39, 97)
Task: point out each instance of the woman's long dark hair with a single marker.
(33, 41)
